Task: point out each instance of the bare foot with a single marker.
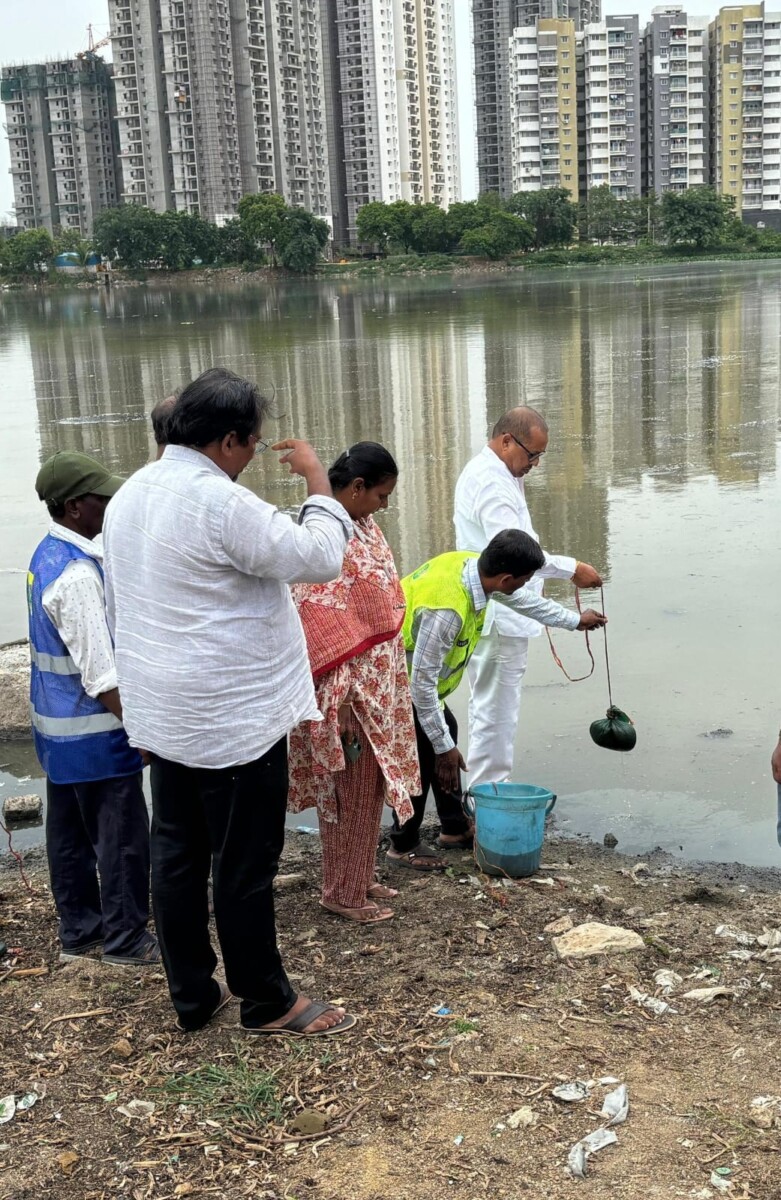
(326, 1021)
(378, 891)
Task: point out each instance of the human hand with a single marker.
(145, 757)
(586, 577)
(447, 767)
(591, 619)
(346, 720)
(299, 456)
(775, 762)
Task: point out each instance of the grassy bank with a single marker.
(586, 256)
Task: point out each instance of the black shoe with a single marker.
(68, 953)
(147, 955)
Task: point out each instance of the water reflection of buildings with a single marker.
(672, 377)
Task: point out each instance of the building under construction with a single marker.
(62, 141)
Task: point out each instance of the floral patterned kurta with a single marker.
(376, 685)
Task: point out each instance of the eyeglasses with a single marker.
(259, 445)
(532, 455)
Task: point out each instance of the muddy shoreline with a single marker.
(467, 1017)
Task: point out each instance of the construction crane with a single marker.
(92, 45)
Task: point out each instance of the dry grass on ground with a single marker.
(414, 1102)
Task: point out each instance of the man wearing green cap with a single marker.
(97, 832)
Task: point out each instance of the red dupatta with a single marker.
(360, 609)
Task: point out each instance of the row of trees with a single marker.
(135, 238)
(495, 228)
(269, 230)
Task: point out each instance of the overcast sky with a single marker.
(44, 29)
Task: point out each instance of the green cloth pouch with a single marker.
(615, 732)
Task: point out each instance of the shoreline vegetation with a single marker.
(271, 240)
(410, 265)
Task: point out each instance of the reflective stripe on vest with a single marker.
(103, 722)
(54, 664)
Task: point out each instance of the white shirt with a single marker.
(211, 657)
(75, 604)
(489, 499)
(437, 630)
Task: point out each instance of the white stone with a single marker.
(594, 938)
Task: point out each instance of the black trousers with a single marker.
(231, 821)
(451, 815)
(97, 842)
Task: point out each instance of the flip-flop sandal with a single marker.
(296, 1025)
(411, 860)
(225, 998)
(369, 914)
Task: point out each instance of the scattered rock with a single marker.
(310, 1121)
(22, 808)
(284, 882)
(122, 1047)
(67, 1161)
(705, 895)
(14, 691)
(560, 925)
(522, 1118)
(610, 840)
(593, 938)
(766, 1112)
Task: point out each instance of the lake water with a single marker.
(661, 388)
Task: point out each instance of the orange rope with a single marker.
(560, 664)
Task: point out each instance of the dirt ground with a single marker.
(413, 1103)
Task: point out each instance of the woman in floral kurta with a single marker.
(362, 755)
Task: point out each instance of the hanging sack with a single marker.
(615, 732)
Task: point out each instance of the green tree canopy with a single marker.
(27, 254)
(698, 217)
(262, 218)
(550, 212)
(129, 234)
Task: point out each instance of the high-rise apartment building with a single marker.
(613, 98)
(393, 122)
(142, 128)
(677, 86)
(217, 98)
(493, 22)
(745, 78)
(543, 107)
(61, 141)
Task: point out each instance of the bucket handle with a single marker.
(468, 803)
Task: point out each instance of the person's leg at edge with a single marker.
(114, 813)
(452, 818)
(495, 673)
(405, 838)
(72, 869)
(181, 858)
(245, 809)
(350, 843)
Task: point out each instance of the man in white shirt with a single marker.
(490, 497)
(97, 829)
(214, 674)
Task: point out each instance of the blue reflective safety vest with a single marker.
(76, 739)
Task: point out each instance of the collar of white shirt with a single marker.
(470, 578)
(91, 546)
(498, 467)
(195, 457)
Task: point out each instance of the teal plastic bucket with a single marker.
(509, 826)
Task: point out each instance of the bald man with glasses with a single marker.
(490, 497)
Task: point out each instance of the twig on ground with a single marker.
(78, 1016)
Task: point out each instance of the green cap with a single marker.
(65, 476)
